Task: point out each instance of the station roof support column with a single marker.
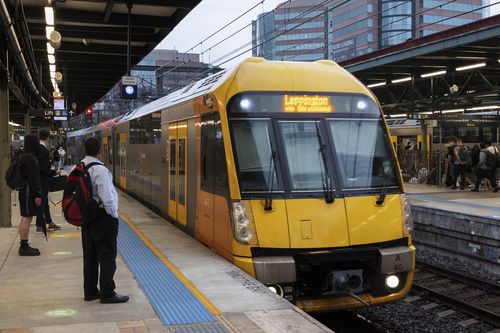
(5, 208)
(27, 123)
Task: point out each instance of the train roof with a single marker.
(253, 74)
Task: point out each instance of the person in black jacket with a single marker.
(30, 195)
(46, 174)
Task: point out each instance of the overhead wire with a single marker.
(269, 33)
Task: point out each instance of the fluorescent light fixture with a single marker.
(373, 85)
(401, 80)
(52, 68)
(14, 124)
(50, 49)
(48, 30)
(399, 115)
(452, 111)
(49, 15)
(433, 74)
(52, 75)
(427, 112)
(464, 68)
(52, 59)
(484, 107)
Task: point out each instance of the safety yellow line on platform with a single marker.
(198, 294)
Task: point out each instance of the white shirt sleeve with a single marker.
(106, 191)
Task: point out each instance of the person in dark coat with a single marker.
(30, 195)
(46, 173)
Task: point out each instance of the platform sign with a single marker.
(128, 87)
(130, 80)
(468, 120)
(60, 115)
(59, 104)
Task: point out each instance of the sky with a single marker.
(211, 15)
(208, 17)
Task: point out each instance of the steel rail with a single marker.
(461, 277)
(455, 303)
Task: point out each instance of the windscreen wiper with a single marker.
(383, 193)
(268, 206)
(327, 181)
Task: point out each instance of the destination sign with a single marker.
(306, 103)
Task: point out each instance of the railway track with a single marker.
(477, 298)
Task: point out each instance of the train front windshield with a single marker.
(297, 152)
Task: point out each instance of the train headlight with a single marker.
(392, 281)
(406, 215)
(243, 224)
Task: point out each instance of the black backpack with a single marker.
(13, 176)
(78, 205)
(491, 160)
(463, 153)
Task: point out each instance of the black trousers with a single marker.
(43, 213)
(459, 170)
(489, 174)
(99, 251)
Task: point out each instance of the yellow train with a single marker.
(285, 169)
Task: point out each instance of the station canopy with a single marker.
(93, 51)
(453, 53)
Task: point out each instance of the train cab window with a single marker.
(304, 155)
(363, 154)
(253, 155)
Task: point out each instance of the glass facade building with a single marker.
(309, 30)
(295, 30)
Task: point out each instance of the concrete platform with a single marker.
(461, 225)
(484, 203)
(45, 293)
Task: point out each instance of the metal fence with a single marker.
(422, 167)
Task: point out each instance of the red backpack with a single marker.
(78, 205)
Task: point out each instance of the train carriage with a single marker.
(286, 170)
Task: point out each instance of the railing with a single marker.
(422, 167)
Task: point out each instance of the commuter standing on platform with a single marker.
(30, 195)
(62, 153)
(484, 169)
(99, 235)
(46, 173)
(493, 150)
(461, 157)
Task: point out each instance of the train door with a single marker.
(123, 160)
(204, 229)
(177, 176)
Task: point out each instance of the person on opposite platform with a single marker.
(99, 235)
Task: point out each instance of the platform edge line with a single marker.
(198, 294)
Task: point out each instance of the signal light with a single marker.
(89, 112)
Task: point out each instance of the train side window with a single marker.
(146, 129)
(489, 133)
(182, 170)
(117, 148)
(172, 169)
(207, 153)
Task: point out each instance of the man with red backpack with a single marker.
(100, 232)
